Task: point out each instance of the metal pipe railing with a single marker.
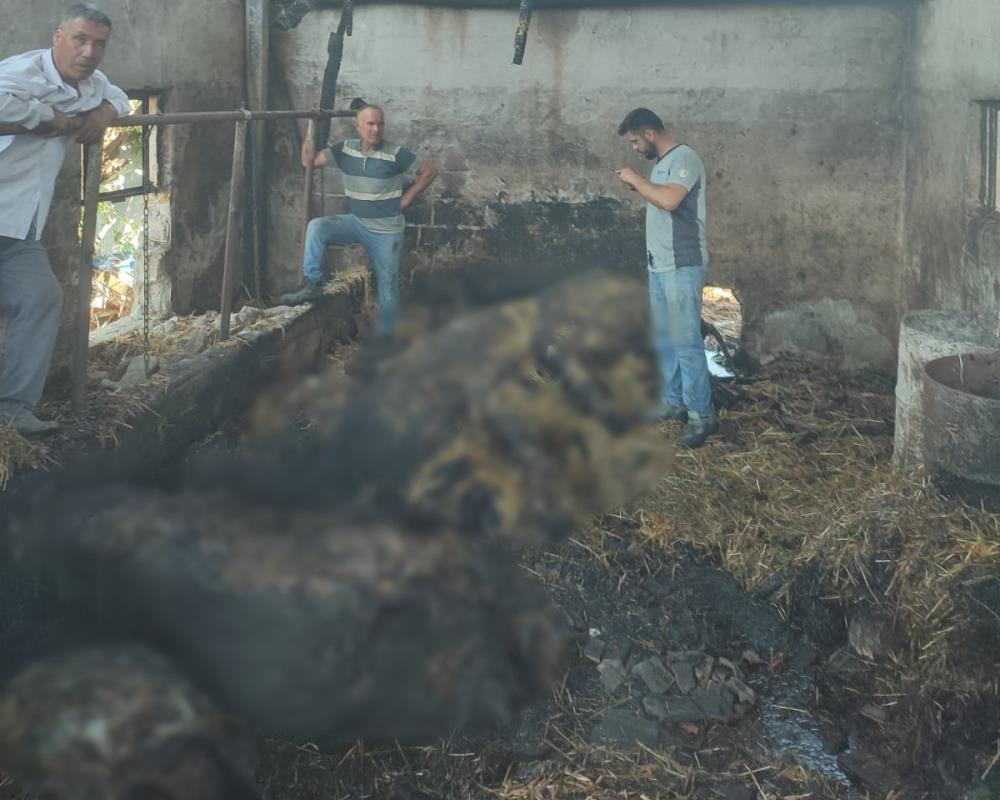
(93, 157)
(190, 117)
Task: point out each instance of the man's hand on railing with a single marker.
(92, 124)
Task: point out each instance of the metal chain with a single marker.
(145, 263)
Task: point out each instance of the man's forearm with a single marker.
(10, 129)
(28, 114)
(667, 197)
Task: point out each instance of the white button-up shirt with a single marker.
(30, 88)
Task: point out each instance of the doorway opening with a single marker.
(130, 174)
(722, 326)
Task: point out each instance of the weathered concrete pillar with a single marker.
(925, 336)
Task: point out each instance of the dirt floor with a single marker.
(784, 558)
(781, 618)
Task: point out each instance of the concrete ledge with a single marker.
(203, 391)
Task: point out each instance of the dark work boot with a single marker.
(664, 410)
(308, 293)
(697, 430)
(27, 424)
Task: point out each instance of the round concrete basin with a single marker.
(962, 430)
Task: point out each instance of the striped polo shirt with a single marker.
(373, 182)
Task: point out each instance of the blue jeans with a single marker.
(675, 302)
(384, 250)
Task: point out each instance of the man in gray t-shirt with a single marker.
(677, 263)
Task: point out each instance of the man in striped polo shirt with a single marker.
(677, 262)
(373, 171)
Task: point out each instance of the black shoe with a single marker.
(27, 424)
(662, 411)
(308, 293)
(697, 430)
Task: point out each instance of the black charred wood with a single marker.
(335, 56)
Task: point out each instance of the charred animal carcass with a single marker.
(309, 626)
(119, 723)
(524, 419)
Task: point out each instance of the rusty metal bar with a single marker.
(232, 227)
(258, 71)
(190, 117)
(93, 156)
(308, 189)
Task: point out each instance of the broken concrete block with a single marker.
(654, 675)
(743, 692)
(135, 373)
(684, 675)
(196, 342)
(164, 328)
(681, 709)
(654, 708)
(593, 650)
(612, 673)
(248, 315)
(870, 771)
(716, 705)
(626, 730)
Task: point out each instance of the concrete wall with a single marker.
(952, 242)
(193, 51)
(796, 109)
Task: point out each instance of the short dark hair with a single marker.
(639, 119)
(88, 12)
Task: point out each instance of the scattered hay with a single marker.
(799, 497)
(105, 414)
(18, 453)
(574, 768)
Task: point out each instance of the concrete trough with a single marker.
(924, 336)
(962, 431)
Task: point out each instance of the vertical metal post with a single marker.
(258, 75)
(233, 227)
(308, 190)
(93, 156)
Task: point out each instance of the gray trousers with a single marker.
(30, 305)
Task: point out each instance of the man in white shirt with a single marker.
(47, 97)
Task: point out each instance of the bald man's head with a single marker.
(370, 124)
